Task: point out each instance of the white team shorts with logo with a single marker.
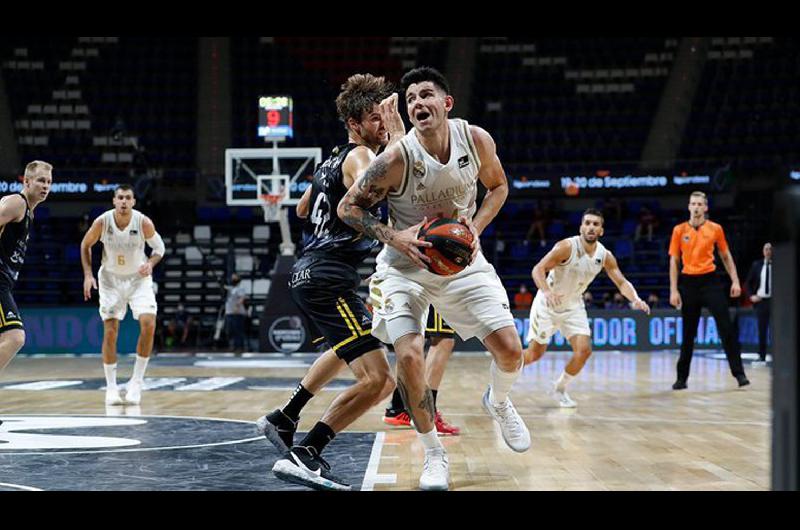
(118, 292)
(473, 302)
(544, 321)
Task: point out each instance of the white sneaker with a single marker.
(133, 392)
(113, 397)
(515, 432)
(564, 401)
(435, 471)
(758, 363)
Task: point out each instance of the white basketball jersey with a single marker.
(571, 278)
(432, 189)
(123, 250)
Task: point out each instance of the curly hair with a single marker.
(359, 94)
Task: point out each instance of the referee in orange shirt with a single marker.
(693, 243)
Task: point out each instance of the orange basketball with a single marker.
(572, 189)
(452, 245)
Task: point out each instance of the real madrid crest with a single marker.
(419, 169)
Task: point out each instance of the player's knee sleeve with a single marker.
(402, 325)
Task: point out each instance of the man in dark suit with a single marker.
(759, 283)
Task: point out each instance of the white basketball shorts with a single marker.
(118, 292)
(473, 302)
(544, 322)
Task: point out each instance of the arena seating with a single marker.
(746, 109)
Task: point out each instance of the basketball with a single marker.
(452, 245)
(572, 189)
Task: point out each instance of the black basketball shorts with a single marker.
(9, 313)
(325, 291)
(436, 326)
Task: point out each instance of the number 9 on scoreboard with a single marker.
(275, 117)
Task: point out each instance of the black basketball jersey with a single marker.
(324, 233)
(14, 244)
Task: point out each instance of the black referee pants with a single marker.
(696, 292)
(763, 313)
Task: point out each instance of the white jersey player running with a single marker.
(433, 172)
(571, 266)
(125, 279)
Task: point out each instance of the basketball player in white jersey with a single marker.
(571, 266)
(125, 279)
(433, 172)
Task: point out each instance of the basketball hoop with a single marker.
(271, 204)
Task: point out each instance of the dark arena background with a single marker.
(219, 138)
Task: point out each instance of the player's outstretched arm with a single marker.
(155, 242)
(91, 238)
(625, 287)
(557, 255)
(385, 173)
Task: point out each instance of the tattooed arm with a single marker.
(385, 173)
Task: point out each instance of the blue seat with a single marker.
(623, 248)
(555, 230)
(520, 251)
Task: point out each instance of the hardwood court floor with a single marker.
(629, 432)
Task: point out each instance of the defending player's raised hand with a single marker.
(89, 283)
(407, 242)
(675, 300)
(641, 305)
(392, 121)
(145, 269)
(476, 238)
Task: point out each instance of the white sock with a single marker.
(501, 383)
(564, 378)
(430, 440)
(111, 375)
(139, 367)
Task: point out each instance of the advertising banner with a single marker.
(628, 330)
(73, 330)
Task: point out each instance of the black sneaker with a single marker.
(302, 465)
(278, 428)
(742, 380)
(680, 384)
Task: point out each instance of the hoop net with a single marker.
(271, 204)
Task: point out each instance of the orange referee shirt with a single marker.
(695, 246)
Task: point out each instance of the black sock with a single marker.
(297, 402)
(434, 392)
(318, 437)
(397, 402)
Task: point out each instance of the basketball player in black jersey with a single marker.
(324, 282)
(16, 216)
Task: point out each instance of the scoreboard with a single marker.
(275, 117)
